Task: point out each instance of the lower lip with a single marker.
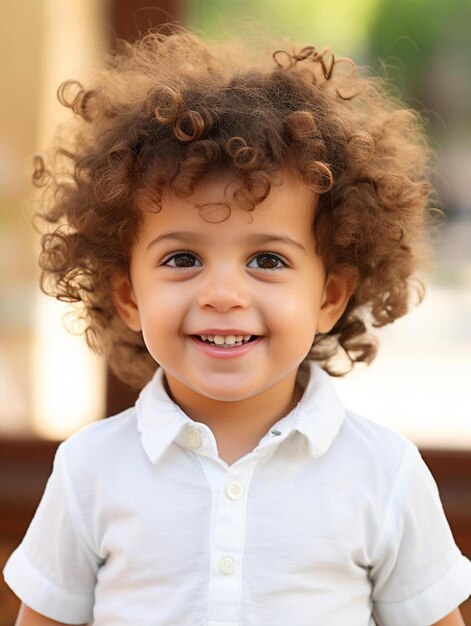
(226, 353)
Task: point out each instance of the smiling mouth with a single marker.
(228, 341)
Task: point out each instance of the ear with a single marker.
(125, 302)
(338, 289)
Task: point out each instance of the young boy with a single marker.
(232, 224)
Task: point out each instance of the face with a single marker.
(254, 276)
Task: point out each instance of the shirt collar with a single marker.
(318, 415)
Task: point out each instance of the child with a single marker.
(233, 223)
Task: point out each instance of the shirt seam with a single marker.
(211, 547)
(62, 590)
(425, 589)
(74, 508)
(388, 505)
(244, 547)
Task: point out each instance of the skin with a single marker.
(225, 279)
(28, 617)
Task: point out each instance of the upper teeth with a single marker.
(225, 339)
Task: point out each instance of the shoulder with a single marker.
(101, 446)
(370, 435)
(113, 430)
(377, 450)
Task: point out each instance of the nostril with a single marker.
(224, 296)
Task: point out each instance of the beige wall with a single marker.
(42, 43)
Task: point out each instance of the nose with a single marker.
(224, 289)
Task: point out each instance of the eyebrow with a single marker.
(256, 238)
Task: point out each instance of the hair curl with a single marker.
(166, 110)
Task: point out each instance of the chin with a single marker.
(225, 395)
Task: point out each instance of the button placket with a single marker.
(228, 545)
(234, 490)
(226, 565)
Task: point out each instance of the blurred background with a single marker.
(50, 386)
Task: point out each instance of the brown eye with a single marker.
(267, 262)
(182, 259)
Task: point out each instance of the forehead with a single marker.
(212, 209)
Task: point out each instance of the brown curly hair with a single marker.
(167, 109)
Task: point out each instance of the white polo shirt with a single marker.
(330, 519)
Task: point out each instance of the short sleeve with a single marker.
(54, 569)
(418, 573)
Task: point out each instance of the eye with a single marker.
(267, 261)
(181, 260)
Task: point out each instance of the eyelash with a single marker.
(180, 253)
(175, 255)
(271, 255)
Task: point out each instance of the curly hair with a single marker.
(168, 109)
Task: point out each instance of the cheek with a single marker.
(164, 298)
(294, 311)
(164, 318)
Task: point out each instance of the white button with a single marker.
(193, 437)
(226, 565)
(234, 491)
